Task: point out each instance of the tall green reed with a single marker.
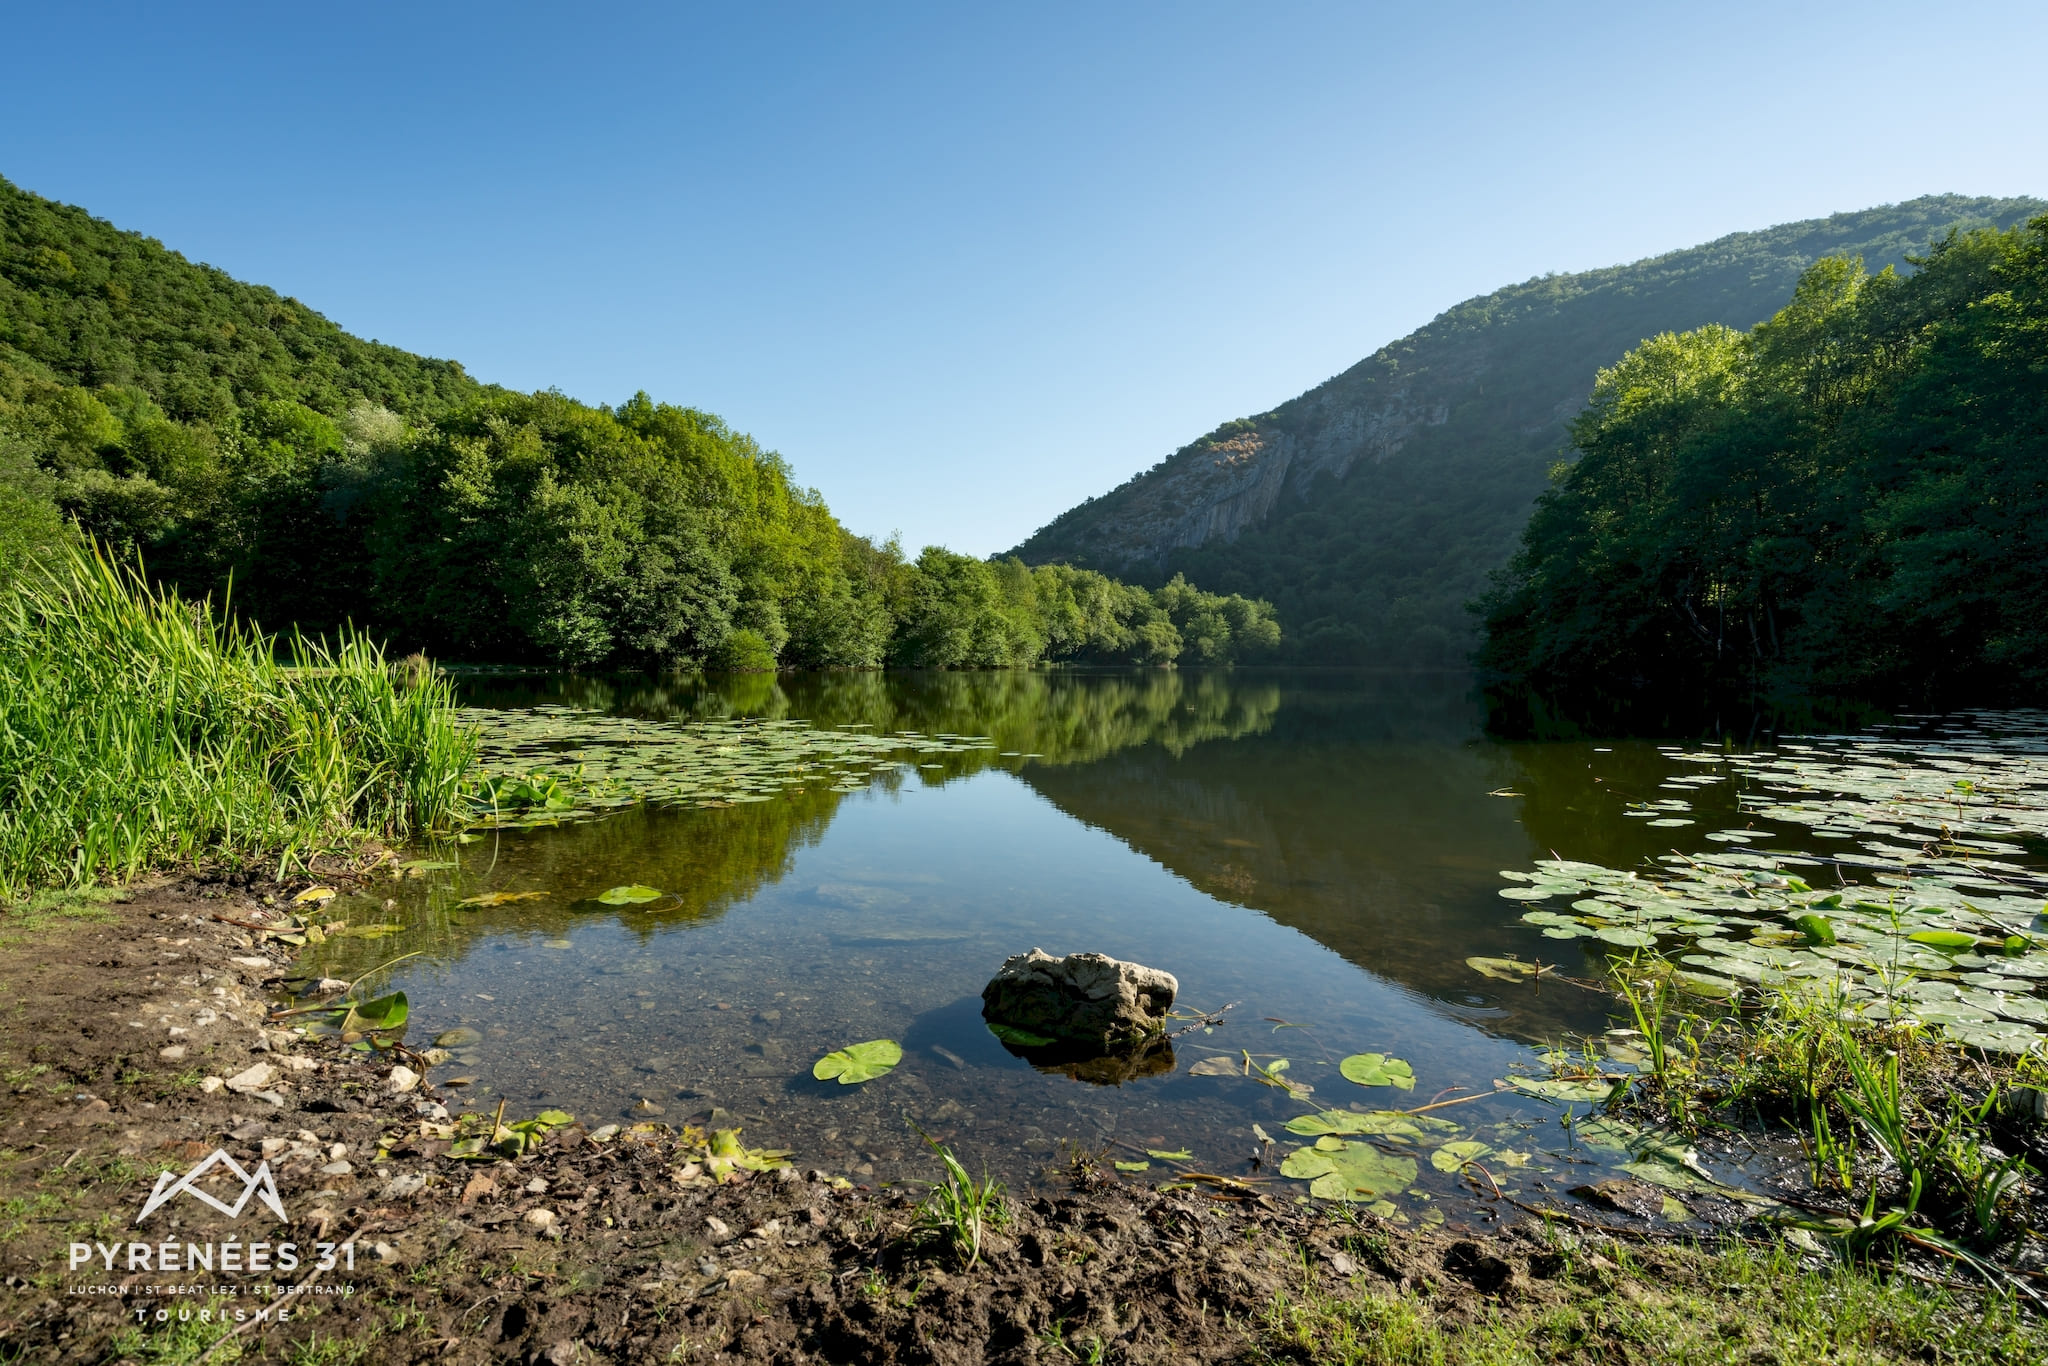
(139, 729)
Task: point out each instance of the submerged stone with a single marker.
(1082, 998)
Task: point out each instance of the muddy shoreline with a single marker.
(121, 1017)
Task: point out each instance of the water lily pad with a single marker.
(1377, 1069)
(860, 1062)
(1217, 1067)
(1818, 929)
(725, 1155)
(1943, 939)
(1382, 1123)
(383, 1014)
(1563, 1088)
(1021, 1038)
(1337, 1169)
(628, 896)
(1452, 1156)
(1503, 969)
(461, 1037)
(1178, 1155)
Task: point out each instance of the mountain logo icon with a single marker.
(258, 1183)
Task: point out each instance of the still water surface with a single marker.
(1318, 851)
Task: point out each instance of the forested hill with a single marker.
(234, 436)
(1371, 509)
(1843, 507)
(86, 303)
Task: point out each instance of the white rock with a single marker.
(211, 1084)
(298, 1064)
(252, 962)
(175, 1053)
(336, 1169)
(537, 1186)
(402, 1079)
(542, 1219)
(404, 1186)
(255, 1079)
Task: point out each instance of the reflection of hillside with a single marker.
(705, 860)
(1573, 797)
(1061, 716)
(1366, 827)
(711, 859)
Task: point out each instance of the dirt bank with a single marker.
(618, 1246)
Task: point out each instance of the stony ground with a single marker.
(135, 1040)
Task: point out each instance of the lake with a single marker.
(833, 859)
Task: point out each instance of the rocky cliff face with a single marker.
(1234, 477)
(1371, 508)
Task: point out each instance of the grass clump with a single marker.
(1912, 1143)
(959, 1210)
(139, 729)
(1737, 1304)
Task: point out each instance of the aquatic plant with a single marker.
(139, 729)
(550, 764)
(859, 1062)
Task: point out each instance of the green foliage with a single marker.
(1677, 1306)
(743, 652)
(1845, 506)
(238, 437)
(1408, 478)
(138, 728)
(100, 307)
(958, 1210)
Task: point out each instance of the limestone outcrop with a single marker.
(1083, 998)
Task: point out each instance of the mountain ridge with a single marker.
(1373, 506)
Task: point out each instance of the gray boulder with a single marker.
(1082, 998)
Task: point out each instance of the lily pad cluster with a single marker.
(1360, 1156)
(1932, 913)
(537, 757)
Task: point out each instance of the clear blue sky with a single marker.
(965, 265)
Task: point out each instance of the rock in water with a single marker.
(1082, 998)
